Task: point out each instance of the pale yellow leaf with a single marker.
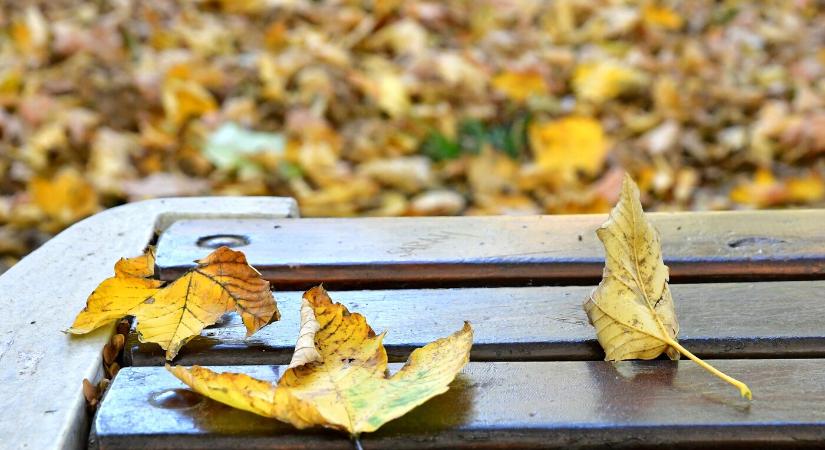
(632, 309)
(392, 93)
(305, 351)
(605, 80)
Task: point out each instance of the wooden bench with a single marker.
(747, 286)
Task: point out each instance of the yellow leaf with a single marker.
(173, 314)
(349, 389)
(392, 93)
(807, 189)
(569, 144)
(305, 351)
(65, 198)
(115, 297)
(30, 34)
(519, 86)
(605, 80)
(385, 84)
(632, 309)
(273, 77)
(764, 190)
(183, 100)
(663, 17)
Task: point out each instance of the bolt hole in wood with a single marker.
(751, 241)
(223, 240)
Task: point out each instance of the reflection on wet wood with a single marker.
(507, 405)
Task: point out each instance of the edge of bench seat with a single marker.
(41, 368)
(561, 404)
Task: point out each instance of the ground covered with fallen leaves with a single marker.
(397, 107)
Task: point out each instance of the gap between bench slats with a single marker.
(723, 320)
(503, 251)
(526, 404)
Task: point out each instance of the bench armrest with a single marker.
(41, 368)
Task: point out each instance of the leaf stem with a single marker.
(356, 442)
(743, 388)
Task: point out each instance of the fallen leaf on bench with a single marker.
(632, 308)
(348, 389)
(115, 297)
(172, 314)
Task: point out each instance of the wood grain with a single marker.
(503, 251)
(722, 320)
(506, 405)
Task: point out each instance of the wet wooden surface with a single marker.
(506, 405)
(723, 320)
(499, 251)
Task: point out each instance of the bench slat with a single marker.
(488, 251)
(723, 320)
(506, 405)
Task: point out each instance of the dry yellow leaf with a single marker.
(807, 189)
(632, 309)
(305, 351)
(519, 86)
(765, 190)
(183, 100)
(173, 314)
(115, 297)
(605, 80)
(568, 145)
(661, 16)
(349, 389)
(392, 94)
(65, 198)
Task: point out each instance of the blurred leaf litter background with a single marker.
(390, 108)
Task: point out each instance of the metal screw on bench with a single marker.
(223, 240)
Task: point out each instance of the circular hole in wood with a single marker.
(755, 241)
(175, 399)
(223, 240)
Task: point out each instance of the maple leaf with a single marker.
(632, 309)
(345, 385)
(173, 314)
